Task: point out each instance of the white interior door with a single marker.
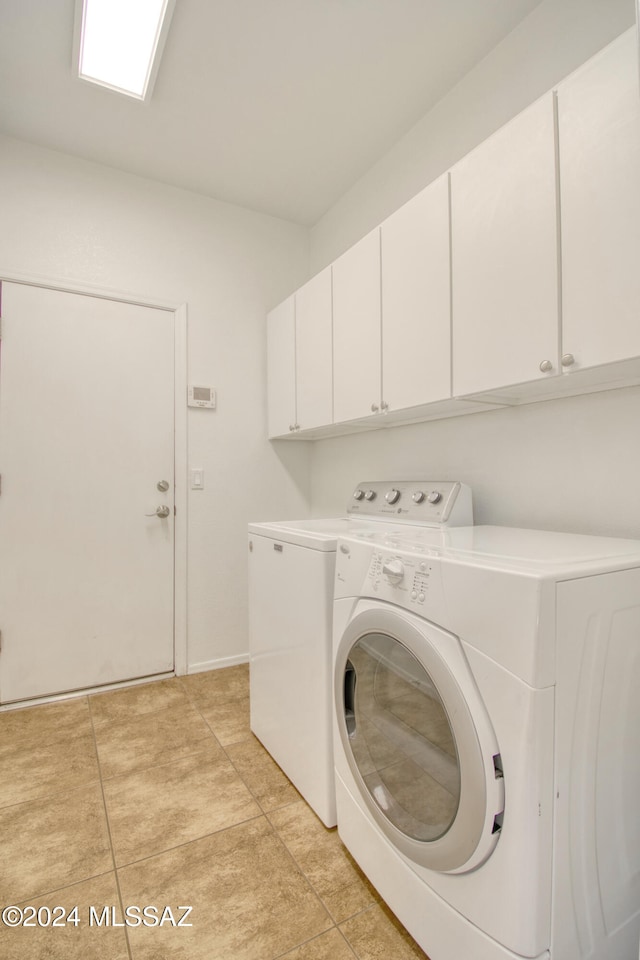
(86, 435)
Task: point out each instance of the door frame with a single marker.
(180, 438)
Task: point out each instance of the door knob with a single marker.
(161, 512)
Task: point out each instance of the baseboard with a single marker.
(219, 664)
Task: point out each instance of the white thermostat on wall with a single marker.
(202, 397)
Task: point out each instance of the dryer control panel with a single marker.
(407, 579)
(402, 578)
(429, 502)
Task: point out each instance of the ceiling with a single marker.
(277, 105)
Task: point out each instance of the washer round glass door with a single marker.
(410, 739)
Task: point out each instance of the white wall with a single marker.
(549, 44)
(70, 220)
(569, 464)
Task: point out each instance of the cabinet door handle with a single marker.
(546, 366)
(567, 360)
(384, 406)
(292, 427)
(374, 408)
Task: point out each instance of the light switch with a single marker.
(197, 478)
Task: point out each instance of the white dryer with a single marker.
(486, 737)
(291, 573)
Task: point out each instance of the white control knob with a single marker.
(358, 494)
(370, 495)
(393, 569)
(392, 496)
(434, 497)
(418, 496)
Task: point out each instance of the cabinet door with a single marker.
(356, 330)
(314, 352)
(416, 307)
(281, 369)
(599, 135)
(504, 247)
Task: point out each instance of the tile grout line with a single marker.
(344, 937)
(283, 956)
(302, 873)
(106, 814)
(23, 743)
(66, 886)
(336, 923)
(50, 796)
(266, 814)
(195, 746)
(186, 843)
(195, 701)
(276, 834)
(177, 846)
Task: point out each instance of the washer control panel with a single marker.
(430, 502)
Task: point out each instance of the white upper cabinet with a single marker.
(314, 352)
(416, 304)
(463, 298)
(505, 257)
(299, 360)
(599, 134)
(356, 330)
(281, 369)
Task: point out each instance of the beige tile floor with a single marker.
(159, 795)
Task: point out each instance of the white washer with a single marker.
(486, 737)
(291, 573)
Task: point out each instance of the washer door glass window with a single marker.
(417, 739)
(401, 738)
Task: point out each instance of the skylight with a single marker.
(119, 42)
